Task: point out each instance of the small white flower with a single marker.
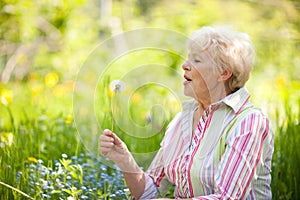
(117, 86)
(64, 155)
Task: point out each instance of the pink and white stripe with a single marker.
(243, 170)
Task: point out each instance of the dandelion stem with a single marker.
(112, 113)
(15, 189)
(117, 86)
(112, 124)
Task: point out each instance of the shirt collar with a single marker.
(237, 99)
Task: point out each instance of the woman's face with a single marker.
(200, 78)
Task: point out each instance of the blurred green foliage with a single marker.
(44, 43)
(285, 164)
(42, 37)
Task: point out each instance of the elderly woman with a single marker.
(219, 146)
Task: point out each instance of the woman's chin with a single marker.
(188, 93)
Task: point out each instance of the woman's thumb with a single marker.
(117, 140)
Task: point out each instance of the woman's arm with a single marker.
(141, 185)
(112, 147)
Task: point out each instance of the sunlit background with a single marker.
(44, 44)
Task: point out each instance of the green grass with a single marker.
(31, 154)
(286, 157)
(31, 147)
(39, 138)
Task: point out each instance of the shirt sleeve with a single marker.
(154, 177)
(156, 180)
(150, 190)
(236, 169)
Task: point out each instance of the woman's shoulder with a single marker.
(250, 119)
(250, 111)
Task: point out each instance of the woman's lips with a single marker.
(187, 80)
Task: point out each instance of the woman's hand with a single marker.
(112, 147)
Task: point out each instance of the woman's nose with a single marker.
(186, 66)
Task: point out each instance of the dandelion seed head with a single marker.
(117, 86)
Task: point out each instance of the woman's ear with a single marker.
(225, 75)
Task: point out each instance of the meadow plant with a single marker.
(286, 158)
(78, 177)
(35, 137)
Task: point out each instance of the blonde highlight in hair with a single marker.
(228, 50)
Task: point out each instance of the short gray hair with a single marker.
(228, 49)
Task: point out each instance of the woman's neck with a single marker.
(213, 96)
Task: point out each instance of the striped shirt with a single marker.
(228, 156)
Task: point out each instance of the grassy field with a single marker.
(49, 131)
(286, 162)
(44, 157)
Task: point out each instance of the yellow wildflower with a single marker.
(110, 93)
(32, 159)
(6, 139)
(69, 119)
(281, 81)
(6, 96)
(135, 98)
(51, 79)
(59, 91)
(36, 89)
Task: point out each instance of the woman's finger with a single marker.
(107, 132)
(105, 138)
(104, 149)
(116, 139)
(107, 144)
